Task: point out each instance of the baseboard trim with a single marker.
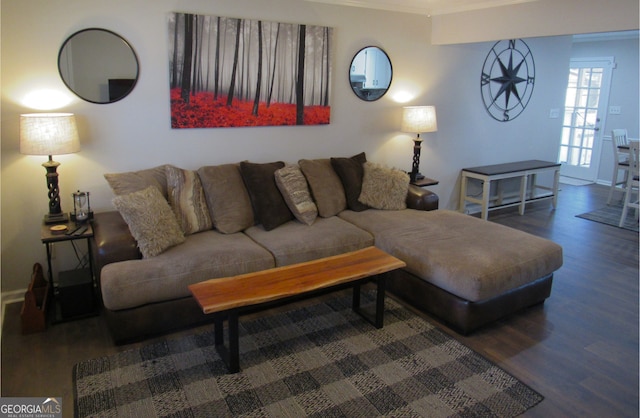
(10, 297)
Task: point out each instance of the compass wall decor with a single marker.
(508, 77)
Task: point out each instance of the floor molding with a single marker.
(10, 297)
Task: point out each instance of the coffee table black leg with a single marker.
(230, 356)
(378, 319)
(218, 329)
(380, 294)
(356, 298)
(234, 343)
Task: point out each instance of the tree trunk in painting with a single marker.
(187, 57)
(256, 101)
(174, 69)
(326, 46)
(300, 78)
(217, 61)
(273, 71)
(235, 65)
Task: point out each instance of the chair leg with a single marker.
(614, 184)
(627, 200)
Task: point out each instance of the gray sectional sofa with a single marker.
(176, 227)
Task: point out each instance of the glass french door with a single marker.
(585, 107)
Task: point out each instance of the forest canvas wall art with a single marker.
(228, 72)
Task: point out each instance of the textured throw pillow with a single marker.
(268, 204)
(350, 171)
(295, 191)
(150, 220)
(134, 181)
(227, 198)
(187, 200)
(384, 188)
(325, 185)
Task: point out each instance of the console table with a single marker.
(522, 169)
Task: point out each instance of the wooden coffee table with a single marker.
(229, 297)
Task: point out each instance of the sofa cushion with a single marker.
(325, 185)
(134, 181)
(383, 187)
(227, 198)
(187, 200)
(468, 257)
(150, 220)
(351, 171)
(268, 204)
(295, 191)
(203, 256)
(294, 242)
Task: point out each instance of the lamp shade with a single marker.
(418, 119)
(48, 134)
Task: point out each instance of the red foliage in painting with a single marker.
(205, 112)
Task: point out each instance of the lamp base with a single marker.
(56, 218)
(414, 177)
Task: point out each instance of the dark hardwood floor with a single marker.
(579, 349)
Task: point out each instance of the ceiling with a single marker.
(426, 7)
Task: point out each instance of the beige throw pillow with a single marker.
(187, 200)
(326, 186)
(293, 187)
(227, 198)
(134, 181)
(150, 220)
(384, 188)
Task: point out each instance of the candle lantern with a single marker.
(81, 207)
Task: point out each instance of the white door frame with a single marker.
(590, 172)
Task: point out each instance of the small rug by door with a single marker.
(610, 215)
(574, 182)
(319, 360)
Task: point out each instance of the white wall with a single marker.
(536, 18)
(135, 133)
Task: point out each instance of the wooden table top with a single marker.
(492, 170)
(217, 295)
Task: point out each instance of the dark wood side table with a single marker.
(74, 292)
(424, 182)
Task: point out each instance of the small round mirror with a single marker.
(370, 73)
(98, 65)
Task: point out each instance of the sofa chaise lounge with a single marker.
(175, 227)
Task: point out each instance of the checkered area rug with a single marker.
(321, 360)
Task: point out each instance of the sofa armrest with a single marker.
(421, 199)
(112, 240)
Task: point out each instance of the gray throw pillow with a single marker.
(227, 198)
(325, 185)
(134, 181)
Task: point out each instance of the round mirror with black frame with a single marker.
(98, 65)
(370, 73)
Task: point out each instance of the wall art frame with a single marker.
(230, 72)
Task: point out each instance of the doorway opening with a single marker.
(586, 101)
